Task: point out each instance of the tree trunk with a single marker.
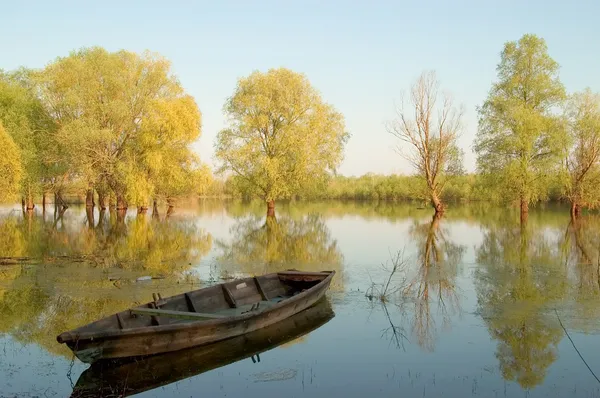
(142, 209)
(437, 203)
(271, 208)
(44, 202)
(102, 200)
(23, 203)
(575, 209)
(170, 206)
(30, 204)
(111, 200)
(59, 200)
(524, 210)
(101, 217)
(121, 203)
(89, 198)
(155, 209)
(89, 211)
(121, 216)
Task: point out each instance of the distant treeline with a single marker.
(395, 187)
(118, 128)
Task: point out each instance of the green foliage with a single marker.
(262, 245)
(25, 120)
(282, 138)
(520, 276)
(519, 139)
(396, 188)
(125, 121)
(10, 166)
(582, 172)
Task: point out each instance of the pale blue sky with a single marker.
(359, 55)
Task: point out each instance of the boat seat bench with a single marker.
(258, 306)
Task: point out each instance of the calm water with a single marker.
(472, 309)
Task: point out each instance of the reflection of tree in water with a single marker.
(135, 243)
(580, 247)
(519, 276)
(262, 245)
(66, 282)
(438, 266)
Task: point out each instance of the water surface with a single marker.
(473, 308)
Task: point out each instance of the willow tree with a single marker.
(10, 166)
(519, 140)
(25, 121)
(282, 137)
(119, 113)
(431, 136)
(583, 153)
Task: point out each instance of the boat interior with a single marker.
(224, 300)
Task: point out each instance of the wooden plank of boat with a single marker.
(176, 314)
(198, 317)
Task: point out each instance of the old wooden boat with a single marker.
(198, 317)
(130, 377)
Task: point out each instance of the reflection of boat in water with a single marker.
(198, 317)
(119, 378)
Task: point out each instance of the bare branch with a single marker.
(429, 143)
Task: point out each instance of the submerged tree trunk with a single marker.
(89, 211)
(271, 208)
(30, 204)
(170, 206)
(101, 217)
(575, 209)
(155, 209)
(437, 203)
(524, 210)
(102, 200)
(121, 203)
(89, 198)
(111, 200)
(121, 216)
(59, 201)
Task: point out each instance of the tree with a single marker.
(431, 136)
(519, 138)
(583, 153)
(120, 116)
(25, 120)
(10, 166)
(282, 138)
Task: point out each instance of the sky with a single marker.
(360, 55)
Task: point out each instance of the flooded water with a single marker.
(467, 305)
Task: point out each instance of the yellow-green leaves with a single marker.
(25, 121)
(520, 138)
(282, 137)
(583, 151)
(10, 166)
(125, 122)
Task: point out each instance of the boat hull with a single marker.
(157, 340)
(133, 376)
